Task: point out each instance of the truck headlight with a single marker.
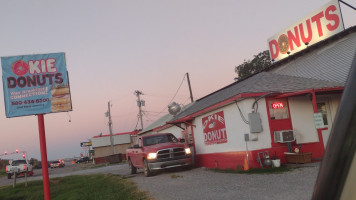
(187, 150)
(152, 156)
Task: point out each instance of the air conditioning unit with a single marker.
(284, 136)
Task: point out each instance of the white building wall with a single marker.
(302, 115)
(301, 110)
(235, 129)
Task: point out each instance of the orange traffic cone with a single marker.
(246, 167)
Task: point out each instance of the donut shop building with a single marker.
(288, 107)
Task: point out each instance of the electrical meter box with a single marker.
(255, 122)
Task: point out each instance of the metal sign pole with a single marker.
(14, 183)
(41, 127)
(26, 178)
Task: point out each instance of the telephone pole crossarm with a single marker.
(140, 103)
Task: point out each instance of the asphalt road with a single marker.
(200, 183)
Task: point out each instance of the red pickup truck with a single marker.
(158, 151)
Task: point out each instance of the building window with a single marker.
(322, 110)
(278, 109)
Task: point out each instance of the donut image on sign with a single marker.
(60, 98)
(283, 44)
(20, 68)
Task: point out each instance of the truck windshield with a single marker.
(18, 162)
(157, 139)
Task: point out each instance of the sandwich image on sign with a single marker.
(60, 98)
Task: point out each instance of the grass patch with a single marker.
(2, 172)
(92, 166)
(274, 170)
(106, 187)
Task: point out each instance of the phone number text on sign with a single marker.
(14, 103)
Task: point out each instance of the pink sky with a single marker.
(116, 47)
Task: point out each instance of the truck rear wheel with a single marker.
(9, 176)
(146, 169)
(133, 169)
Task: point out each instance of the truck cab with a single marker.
(158, 151)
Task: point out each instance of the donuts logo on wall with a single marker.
(40, 73)
(318, 26)
(214, 129)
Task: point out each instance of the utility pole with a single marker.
(190, 88)
(108, 114)
(139, 104)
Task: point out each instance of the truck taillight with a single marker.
(6, 168)
(24, 167)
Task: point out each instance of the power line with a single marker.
(186, 100)
(123, 115)
(146, 116)
(136, 123)
(173, 96)
(177, 90)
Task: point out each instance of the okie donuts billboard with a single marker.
(35, 84)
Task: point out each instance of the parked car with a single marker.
(38, 166)
(83, 160)
(56, 164)
(62, 162)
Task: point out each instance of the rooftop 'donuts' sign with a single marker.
(318, 26)
(214, 129)
(35, 84)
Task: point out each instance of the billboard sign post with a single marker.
(36, 85)
(44, 161)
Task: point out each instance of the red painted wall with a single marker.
(236, 160)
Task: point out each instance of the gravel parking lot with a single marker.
(200, 183)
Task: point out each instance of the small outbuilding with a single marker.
(102, 147)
